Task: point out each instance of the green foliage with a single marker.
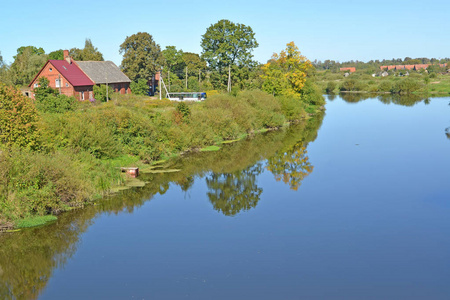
(173, 60)
(35, 221)
(27, 63)
(310, 94)
(100, 92)
(88, 53)
(385, 86)
(406, 86)
(142, 57)
(226, 43)
(140, 87)
(18, 119)
(49, 100)
(184, 110)
(56, 55)
(331, 86)
(34, 183)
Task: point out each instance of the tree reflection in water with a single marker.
(291, 166)
(231, 193)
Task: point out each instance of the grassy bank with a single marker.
(73, 156)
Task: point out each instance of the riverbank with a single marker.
(77, 153)
(434, 84)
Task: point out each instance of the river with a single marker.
(353, 204)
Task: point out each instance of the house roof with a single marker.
(102, 72)
(72, 73)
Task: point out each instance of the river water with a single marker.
(353, 204)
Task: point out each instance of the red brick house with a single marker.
(77, 79)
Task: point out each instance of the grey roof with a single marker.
(102, 72)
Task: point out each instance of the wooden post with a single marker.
(229, 78)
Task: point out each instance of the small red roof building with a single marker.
(71, 79)
(350, 69)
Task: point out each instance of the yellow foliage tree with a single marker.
(285, 73)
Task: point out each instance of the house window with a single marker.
(82, 95)
(67, 85)
(36, 85)
(57, 83)
(50, 69)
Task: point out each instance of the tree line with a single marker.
(373, 65)
(225, 64)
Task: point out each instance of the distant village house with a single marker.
(350, 69)
(77, 78)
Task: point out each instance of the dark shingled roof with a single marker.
(103, 71)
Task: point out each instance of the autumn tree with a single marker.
(285, 73)
(142, 57)
(18, 119)
(88, 53)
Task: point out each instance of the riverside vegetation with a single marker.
(56, 160)
(58, 154)
(436, 81)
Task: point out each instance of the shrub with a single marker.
(100, 92)
(385, 86)
(406, 86)
(140, 87)
(331, 86)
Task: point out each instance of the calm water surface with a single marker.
(351, 205)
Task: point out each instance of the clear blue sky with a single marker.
(322, 29)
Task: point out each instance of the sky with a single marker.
(322, 29)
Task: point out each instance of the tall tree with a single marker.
(142, 57)
(4, 78)
(27, 63)
(172, 58)
(226, 43)
(193, 62)
(89, 52)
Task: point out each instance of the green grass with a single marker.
(210, 148)
(35, 221)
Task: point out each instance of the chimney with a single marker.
(67, 57)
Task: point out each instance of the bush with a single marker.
(140, 87)
(406, 86)
(100, 92)
(310, 94)
(331, 86)
(385, 86)
(56, 104)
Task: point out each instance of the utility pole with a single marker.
(168, 78)
(199, 76)
(186, 78)
(160, 79)
(59, 81)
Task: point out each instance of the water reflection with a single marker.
(28, 258)
(404, 100)
(230, 193)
